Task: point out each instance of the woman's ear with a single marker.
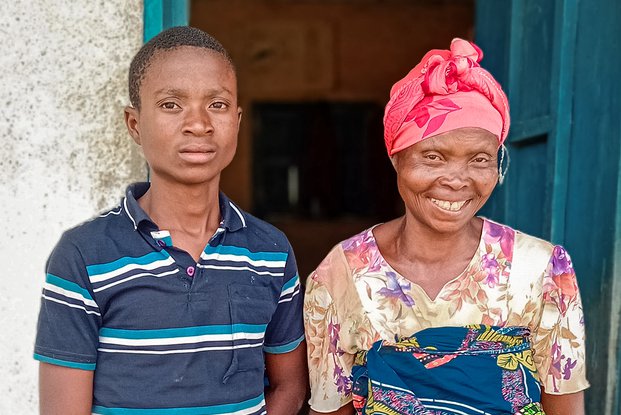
(393, 161)
(132, 117)
(503, 166)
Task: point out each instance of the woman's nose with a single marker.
(455, 176)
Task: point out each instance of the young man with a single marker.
(176, 301)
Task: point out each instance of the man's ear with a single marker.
(132, 116)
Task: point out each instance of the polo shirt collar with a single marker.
(233, 218)
(134, 192)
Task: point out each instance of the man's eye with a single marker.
(169, 105)
(219, 105)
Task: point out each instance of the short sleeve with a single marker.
(559, 340)
(69, 317)
(328, 364)
(286, 329)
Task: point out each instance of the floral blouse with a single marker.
(355, 298)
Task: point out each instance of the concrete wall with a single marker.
(64, 155)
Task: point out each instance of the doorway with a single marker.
(314, 76)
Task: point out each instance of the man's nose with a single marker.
(198, 121)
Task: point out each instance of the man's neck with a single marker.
(192, 209)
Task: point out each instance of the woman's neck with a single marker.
(424, 245)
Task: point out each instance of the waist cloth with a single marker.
(471, 370)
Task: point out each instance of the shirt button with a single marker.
(190, 271)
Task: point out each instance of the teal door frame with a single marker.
(162, 14)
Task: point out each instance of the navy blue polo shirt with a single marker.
(161, 331)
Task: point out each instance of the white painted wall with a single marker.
(64, 151)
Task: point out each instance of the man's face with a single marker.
(188, 120)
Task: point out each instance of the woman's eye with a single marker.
(169, 105)
(433, 157)
(481, 160)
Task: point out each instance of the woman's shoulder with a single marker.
(345, 256)
(361, 240)
(528, 254)
(497, 232)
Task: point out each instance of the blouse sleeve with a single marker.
(559, 340)
(329, 365)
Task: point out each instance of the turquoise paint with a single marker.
(558, 63)
(562, 103)
(592, 210)
(162, 14)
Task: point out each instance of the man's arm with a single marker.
(65, 391)
(568, 404)
(288, 378)
(343, 410)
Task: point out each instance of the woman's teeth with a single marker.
(450, 206)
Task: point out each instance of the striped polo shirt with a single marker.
(166, 334)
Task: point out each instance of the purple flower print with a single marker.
(362, 253)
(395, 289)
(561, 263)
(333, 334)
(494, 233)
(555, 365)
(343, 383)
(560, 285)
(489, 264)
(569, 365)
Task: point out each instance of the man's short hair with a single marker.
(169, 39)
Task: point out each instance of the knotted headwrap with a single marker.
(447, 90)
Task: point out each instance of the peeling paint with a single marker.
(65, 152)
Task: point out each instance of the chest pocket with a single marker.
(251, 308)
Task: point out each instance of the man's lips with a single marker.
(197, 154)
(197, 149)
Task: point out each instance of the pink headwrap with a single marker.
(447, 90)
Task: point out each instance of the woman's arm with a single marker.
(65, 391)
(568, 404)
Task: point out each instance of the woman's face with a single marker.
(445, 180)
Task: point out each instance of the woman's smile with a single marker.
(449, 206)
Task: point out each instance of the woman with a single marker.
(440, 311)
